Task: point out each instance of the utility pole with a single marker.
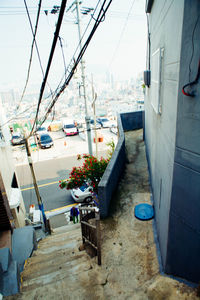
(87, 118)
(40, 204)
(94, 98)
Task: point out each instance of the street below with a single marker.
(51, 166)
(52, 196)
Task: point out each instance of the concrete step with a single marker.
(54, 252)
(67, 228)
(51, 274)
(56, 259)
(56, 265)
(61, 235)
(39, 257)
(55, 243)
(68, 286)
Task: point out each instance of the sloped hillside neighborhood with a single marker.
(117, 250)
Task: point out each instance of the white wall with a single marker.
(7, 170)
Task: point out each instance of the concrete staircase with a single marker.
(55, 269)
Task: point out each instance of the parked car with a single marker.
(105, 123)
(98, 125)
(83, 193)
(69, 127)
(45, 140)
(17, 139)
(41, 130)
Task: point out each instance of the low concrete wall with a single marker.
(132, 120)
(111, 177)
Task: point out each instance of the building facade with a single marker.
(11, 201)
(172, 131)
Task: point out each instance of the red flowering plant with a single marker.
(91, 171)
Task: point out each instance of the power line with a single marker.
(33, 42)
(72, 61)
(78, 46)
(17, 116)
(56, 34)
(193, 32)
(2, 7)
(112, 14)
(99, 19)
(63, 55)
(121, 35)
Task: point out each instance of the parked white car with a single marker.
(105, 123)
(17, 139)
(69, 127)
(82, 194)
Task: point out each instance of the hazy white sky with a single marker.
(118, 46)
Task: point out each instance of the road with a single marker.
(52, 165)
(52, 196)
(48, 174)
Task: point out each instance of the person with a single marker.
(74, 214)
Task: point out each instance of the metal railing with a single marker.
(90, 229)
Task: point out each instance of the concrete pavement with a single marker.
(63, 147)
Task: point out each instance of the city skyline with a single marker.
(118, 46)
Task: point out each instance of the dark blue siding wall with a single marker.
(184, 222)
(110, 179)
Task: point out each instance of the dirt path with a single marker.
(130, 267)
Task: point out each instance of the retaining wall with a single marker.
(111, 177)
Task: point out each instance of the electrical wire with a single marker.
(73, 57)
(193, 32)
(100, 17)
(33, 42)
(56, 34)
(112, 14)
(63, 55)
(92, 15)
(35, 39)
(195, 81)
(121, 35)
(17, 116)
(190, 84)
(71, 64)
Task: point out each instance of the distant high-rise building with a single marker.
(8, 97)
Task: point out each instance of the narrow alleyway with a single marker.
(129, 268)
